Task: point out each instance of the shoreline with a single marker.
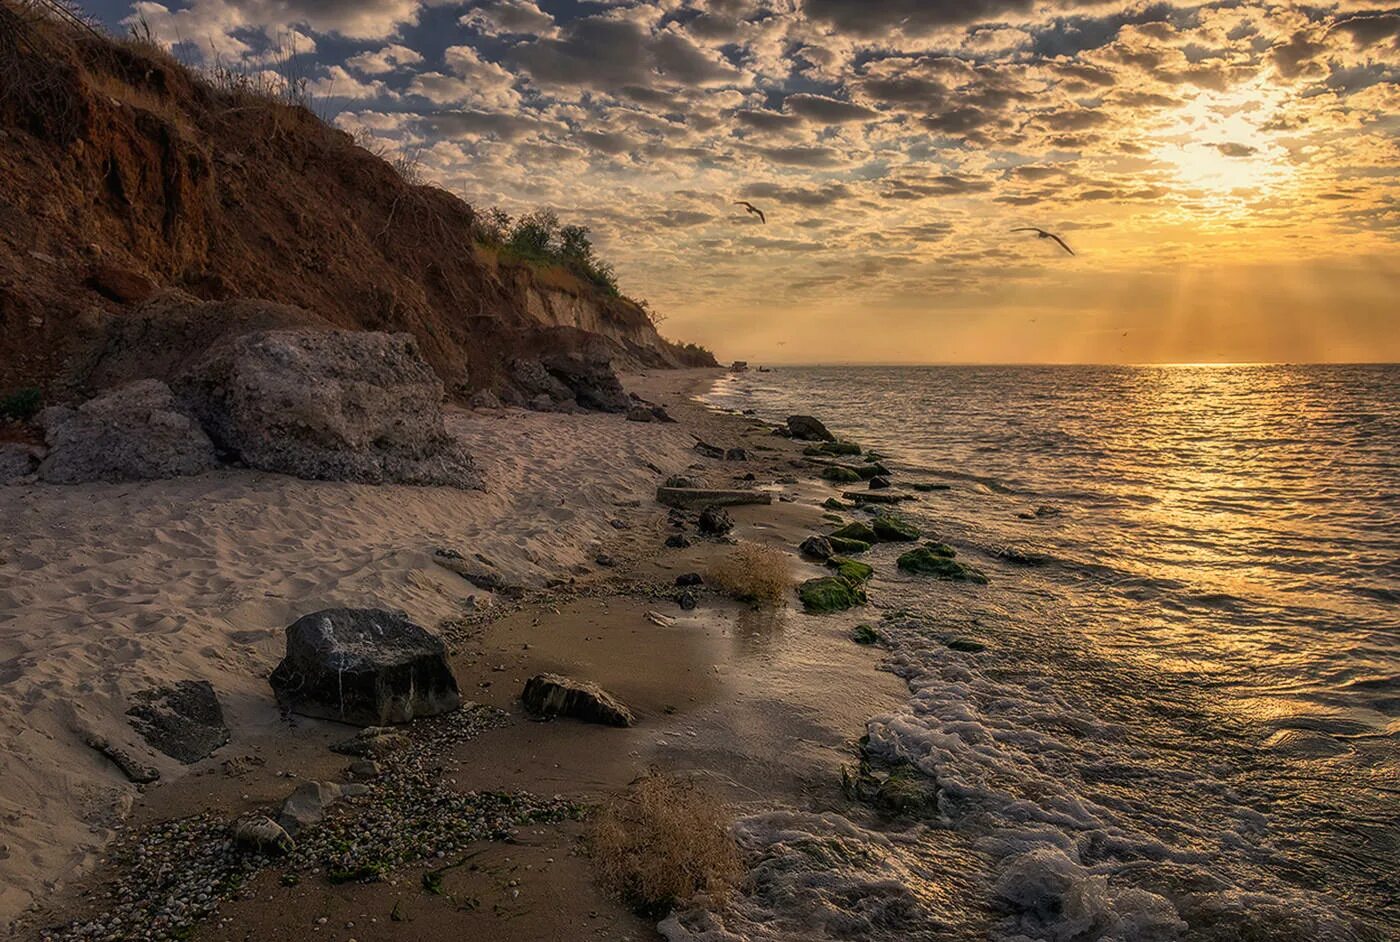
(726, 693)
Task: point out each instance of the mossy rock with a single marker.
(851, 570)
(829, 594)
(891, 529)
(965, 645)
(839, 448)
(865, 634)
(832, 503)
(856, 530)
(875, 470)
(896, 789)
(940, 549)
(834, 518)
(925, 561)
(848, 547)
(839, 475)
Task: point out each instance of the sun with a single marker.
(1221, 143)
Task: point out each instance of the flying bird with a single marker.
(753, 210)
(1041, 233)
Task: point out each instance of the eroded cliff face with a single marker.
(123, 175)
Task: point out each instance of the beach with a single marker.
(109, 589)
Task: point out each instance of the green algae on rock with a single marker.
(891, 529)
(865, 634)
(829, 594)
(851, 570)
(928, 561)
(848, 547)
(856, 530)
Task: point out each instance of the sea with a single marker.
(1184, 719)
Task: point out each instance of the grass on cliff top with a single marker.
(663, 841)
(754, 573)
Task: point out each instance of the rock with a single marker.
(307, 805)
(832, 448)
(1044, 510)
(848, 547)
(851, 570)
(677, 541)
(133, 770)
(895, 788)
(708, 450)
(929, 562)
(542, 403)
(736, 454)
(477, 575)
(133, 433)
(1013, 554)
(701, 496)
(603, 559)
(878, 483)
(689, 579)
(261, 834)
(686, 482)
(372, 742)
(183, 720)
(875, 497)
(817, 547)
(121, 284)
(485, 399)
(536, 382)
(365, 768)
(865, 634)
(661, 415)
(18, 461)
(964, 645)
(687, 601)
(808, 429)
(589, 377)
(926, 486)
(832, 503)
(640, 414)
(556, 695)
(738, 366)
(889, 529)
(856, 530)
(328, 405)
(839, 475)
(714, 521)
(369, 667)
(829, 594)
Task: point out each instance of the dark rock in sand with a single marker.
(817, 547)
(590, 379)
(704, 497)
(930, 561)
(1013, 554)
(848, 547)
(833, 448)
(736, 454)
(640, 414)
(133, 770)
(556, 695)
(808, 429)
(926, 486)
(875, 497)
(865, 634)
(897, 789)
(687, 601)
(339, 405)
(132, 433)
(372, 742)
(856, 530)
(689, 579)
(183, 720)
(477, 574)
(890, 529)
(688, 481)
(832, 503)
(714, 521)
(369, 667)
(851, 570)
(708, 450)
(677, 541)
(879, 483)
(18, 461)
(964, 645)
(1044, 510)
(829, 594)
(839, 475)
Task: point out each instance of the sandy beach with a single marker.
(106, 590)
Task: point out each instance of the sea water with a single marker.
(1184, 722)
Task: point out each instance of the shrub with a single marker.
(663, 841)
(21, 405)
(753, 573)
(539, 237)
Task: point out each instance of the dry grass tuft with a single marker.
(663, 841)
(753, 573)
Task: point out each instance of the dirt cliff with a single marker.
(124, 176)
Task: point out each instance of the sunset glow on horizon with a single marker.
(1225, 174)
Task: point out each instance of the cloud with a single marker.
(825, 110)
(390, 58)
(509, 17)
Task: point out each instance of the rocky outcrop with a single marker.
(368, 667)
(183, 720)
(808, 429)
(555, 695)
(135, 432)
(18, 461)
(329, 405)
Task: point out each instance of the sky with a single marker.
(1225, 173)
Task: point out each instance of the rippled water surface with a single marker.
(1185, 721)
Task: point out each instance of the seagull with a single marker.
(1041, 233)
(753, 210)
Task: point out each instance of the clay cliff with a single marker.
(134, 192)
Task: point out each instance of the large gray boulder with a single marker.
(135, 432)
(368, 667)
(808, 429)
(329, 405)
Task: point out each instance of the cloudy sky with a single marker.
(1225, 172)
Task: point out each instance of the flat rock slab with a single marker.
(183, 720)
(556, 695)
(876, 497)
(369, 667)
(703, 496)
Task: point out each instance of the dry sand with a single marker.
(105, 590)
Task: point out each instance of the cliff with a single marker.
(125, 176)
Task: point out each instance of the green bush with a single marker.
(539, 237)
(21, 405)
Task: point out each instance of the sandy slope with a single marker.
(106, 589)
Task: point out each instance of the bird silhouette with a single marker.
(754, 210)
(1041, 233)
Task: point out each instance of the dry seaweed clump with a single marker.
(662, 842)
(753, 573)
